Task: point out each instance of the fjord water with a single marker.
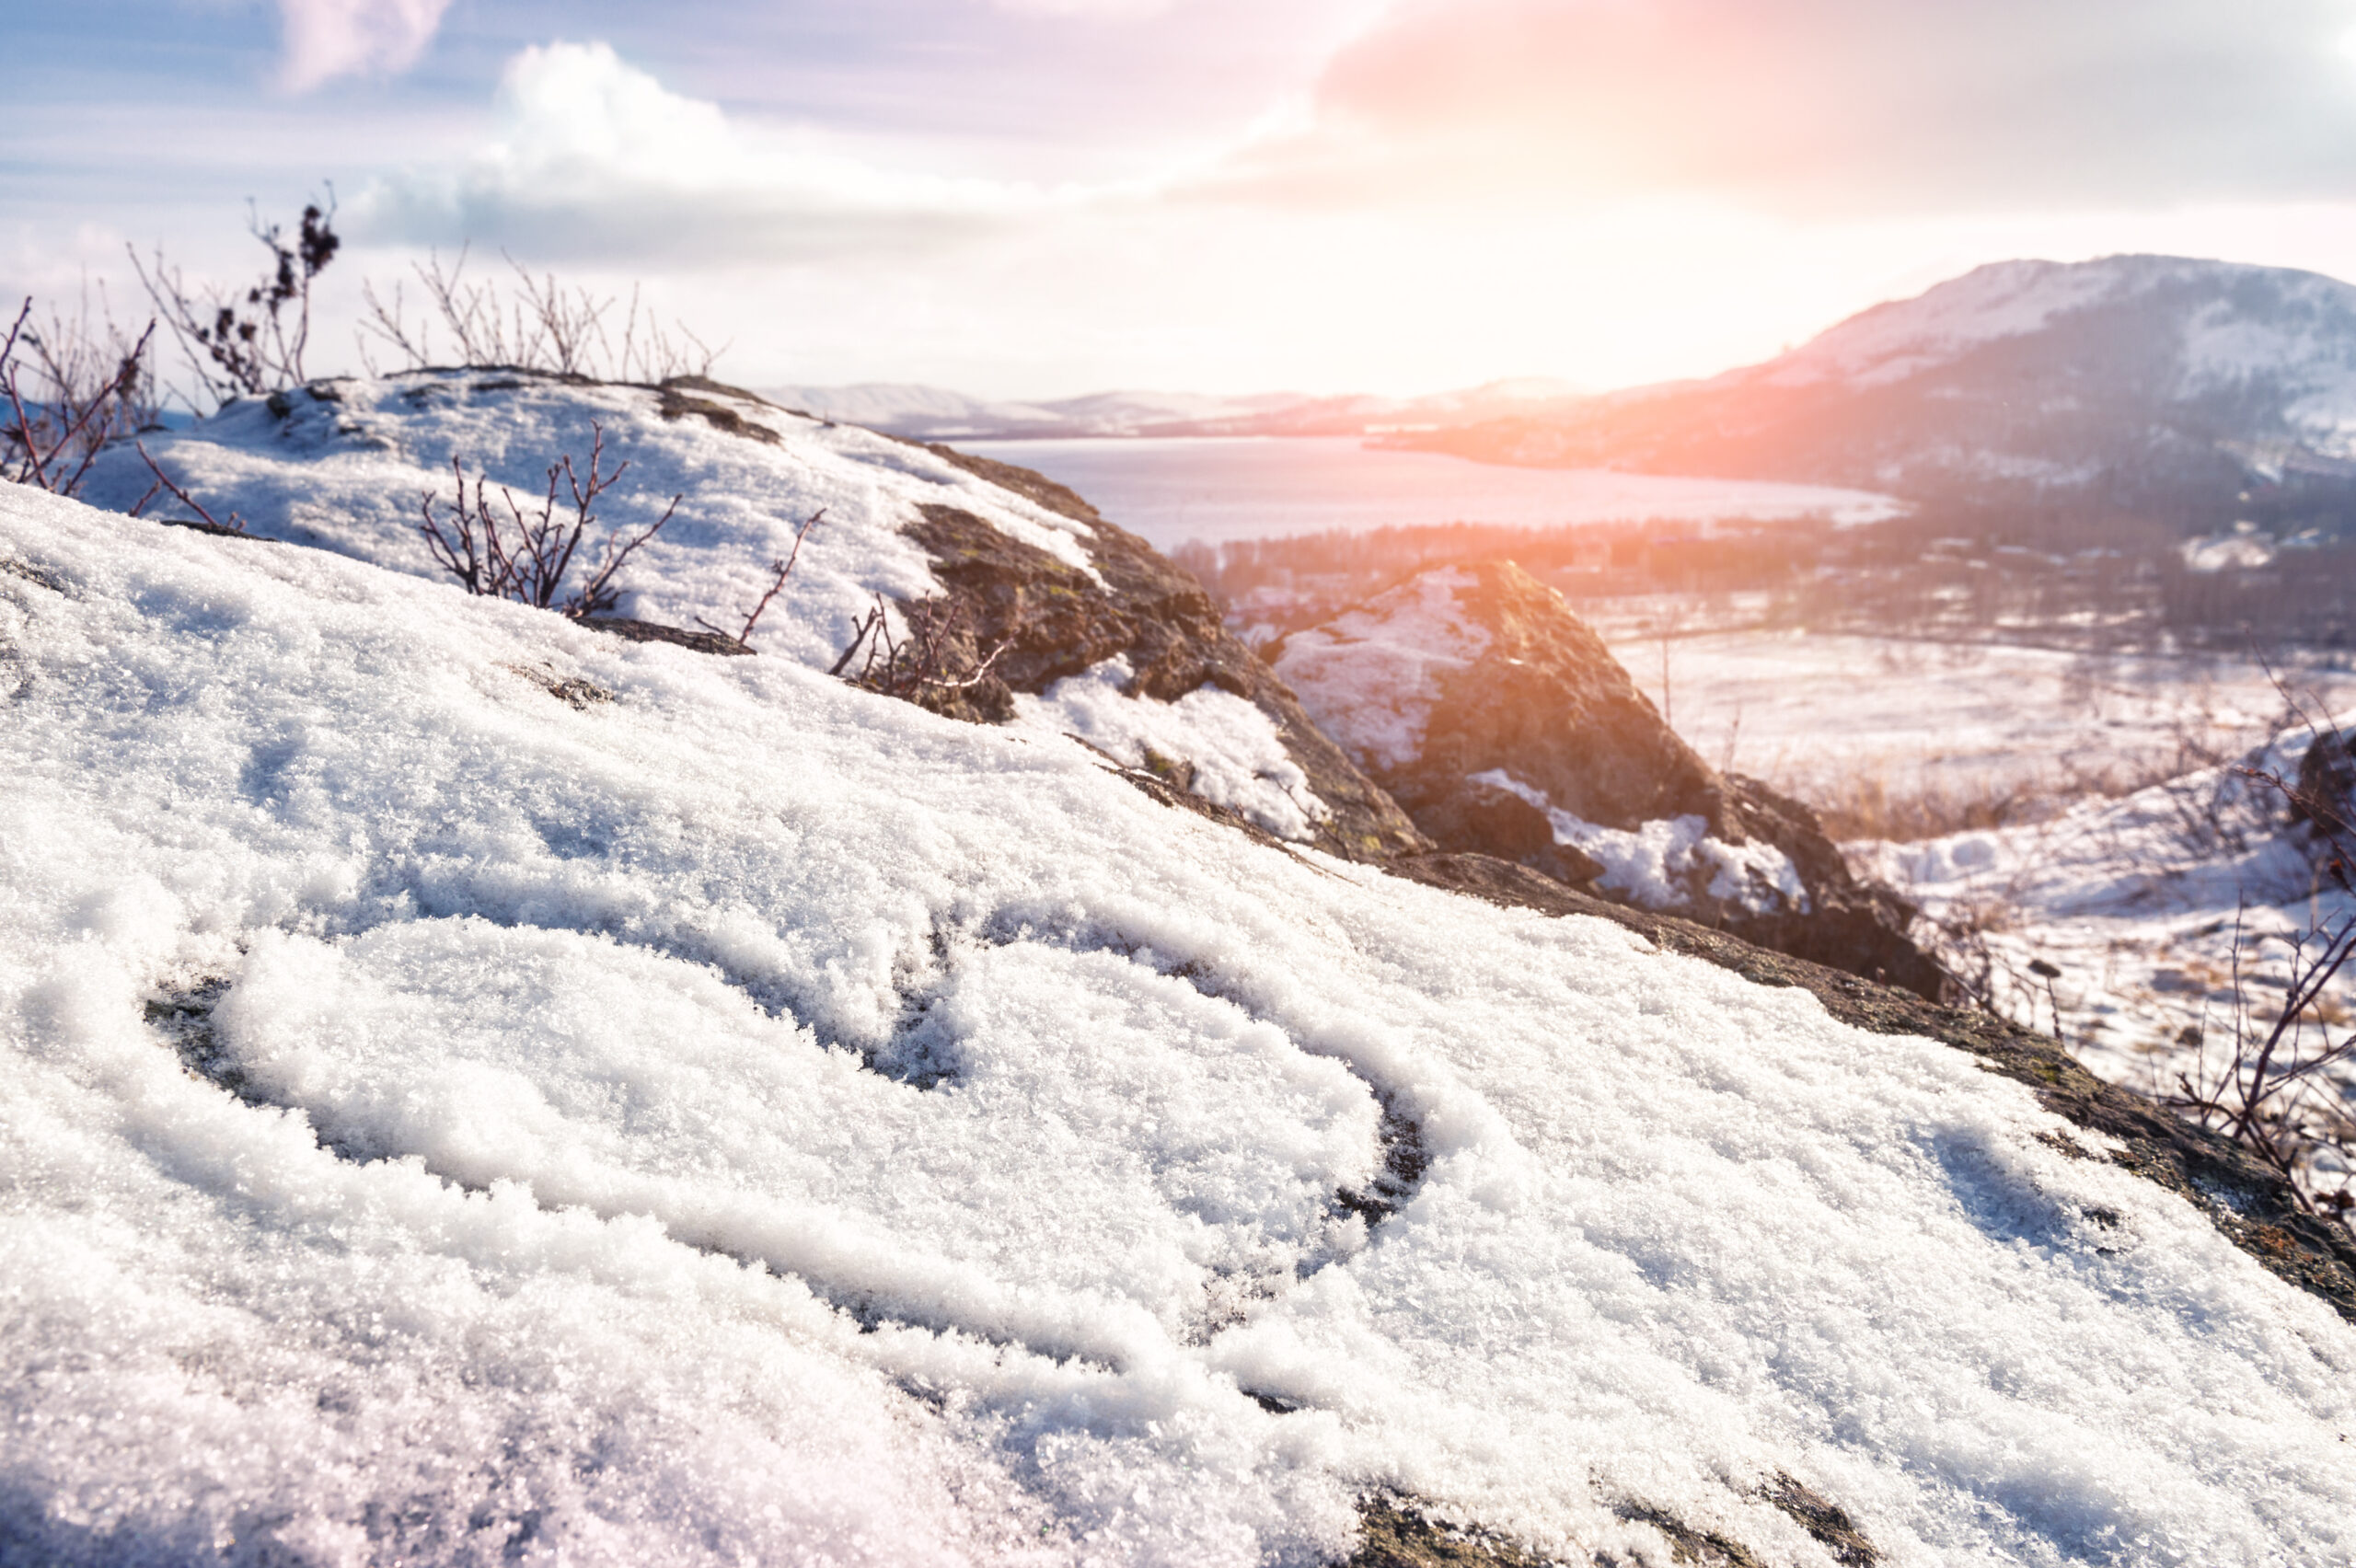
(1213, 489)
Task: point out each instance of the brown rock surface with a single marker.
(1464, 674)
(1053, 621)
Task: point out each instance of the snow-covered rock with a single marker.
(1503, 726)
(1029, 570)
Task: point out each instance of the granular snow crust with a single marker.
(752, 1119)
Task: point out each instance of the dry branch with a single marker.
(528, 323)
(235, 524)
(926, 665)
(86, 387)
(784, 568)
(249, 341)
(527, 558)
(2276, 1093)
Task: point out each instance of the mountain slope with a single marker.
(474, 1090)
(2147, 381)
(741, 1116)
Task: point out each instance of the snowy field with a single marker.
(1218, 488)
(744, 1118)
(1820, 716)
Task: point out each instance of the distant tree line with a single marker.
(2080, 577)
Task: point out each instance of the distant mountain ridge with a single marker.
(2156, 382)
(935, 413)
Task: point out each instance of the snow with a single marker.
(2288, 328)
(751, 1119)
(1371, 676)
(1659, 863)
(2146, 905)
(1819, 715)
(2004, 299)
(348, 473)
(2245, 546)
(1238, 757)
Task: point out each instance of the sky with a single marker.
(1032, 198)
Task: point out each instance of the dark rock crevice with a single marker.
(1396, 1531)
(631, 630)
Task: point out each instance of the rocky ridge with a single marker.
(1036, 621)
(1503, 726)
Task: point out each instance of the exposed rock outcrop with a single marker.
(1047, 620)
(1503, 725)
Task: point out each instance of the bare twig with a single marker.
(2270, 1096)
(534, 323)
(251, 340)
(927, 664)
(784, 568)
(90, 386)
(235, 524)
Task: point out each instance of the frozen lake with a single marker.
(1216, 489)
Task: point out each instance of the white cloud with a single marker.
(327, 39)
(1835, 105)
(595, 158)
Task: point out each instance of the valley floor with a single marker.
(1842, 721)
(2083, 812)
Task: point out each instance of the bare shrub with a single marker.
(527, 558)
(1865, 806)
(2279, 1085)
(525, 323)
(250, 341)
(71, 385)
(2272, 1087)
(163, 482)
(933, 663)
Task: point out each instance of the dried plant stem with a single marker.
(528, 559)
(784, 568)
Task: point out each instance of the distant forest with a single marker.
(2051, 575)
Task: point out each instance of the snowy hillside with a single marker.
(346, 466)
(2007, 299)
(2135, 378)
(479, 1089)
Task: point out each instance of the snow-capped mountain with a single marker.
(2147, 380)
(935, 413)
